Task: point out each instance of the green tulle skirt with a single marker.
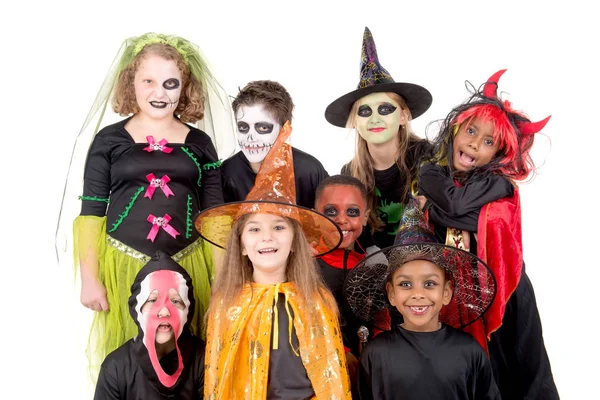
(118, 267)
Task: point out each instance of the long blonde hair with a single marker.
(301, 269)
(361, 166)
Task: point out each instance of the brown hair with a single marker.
(272, 95)
(301, 269)
(191, 102)
(361, 166)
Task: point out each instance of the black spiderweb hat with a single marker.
(474, 285)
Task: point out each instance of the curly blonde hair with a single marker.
(191, 102)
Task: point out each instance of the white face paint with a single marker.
(256, 131)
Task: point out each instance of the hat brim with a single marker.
(474, 284)
(214, 224)
(417, 98)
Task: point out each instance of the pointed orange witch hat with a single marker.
(274, 192)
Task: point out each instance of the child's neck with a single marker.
(269, 277)
(255, 166)
(384, 154)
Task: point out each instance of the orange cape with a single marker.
(239, 344)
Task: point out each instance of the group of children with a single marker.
(403, 277)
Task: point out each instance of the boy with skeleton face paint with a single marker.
(164, 360)
(261, 109)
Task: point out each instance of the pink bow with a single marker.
(160, 222)
(155, 183)
(160, 146)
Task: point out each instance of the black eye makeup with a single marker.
(330, 211)
(386, 109)
(171, 84)
(243, 127)
(353, 212)
(263, 127)
(364, 111)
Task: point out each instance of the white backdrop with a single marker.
(56, 55)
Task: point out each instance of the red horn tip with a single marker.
(529, 128)
(489, 90)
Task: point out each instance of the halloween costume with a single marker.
(133, 371)
(138, 198)
(335, 267)
(247, 346)
(389, 183)
(488, 204)
(442, 364)
(239, 177)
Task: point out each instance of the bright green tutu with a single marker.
(118, 267)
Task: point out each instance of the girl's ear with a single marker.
(403, 116)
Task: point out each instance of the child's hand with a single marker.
(93, 294)
(422, 200)
(352, 365)
(313, 247)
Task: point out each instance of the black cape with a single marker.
(447, 364)
(238, 177)
(517, 352)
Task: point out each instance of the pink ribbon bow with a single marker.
(155, 183)
(160, 146)
(160, 222)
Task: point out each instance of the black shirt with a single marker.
(239, 177)
(117, 170)
(444, 365)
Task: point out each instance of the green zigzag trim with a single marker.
(125, 213)
(94, 198)
(190, 155)
(188, 219)
(214, 165)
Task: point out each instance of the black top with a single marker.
(287, 376)
(447, 364)
(459, 206)
(389, 185)
(123, 375)
(238, 177)
(117, 168)
(334, 277)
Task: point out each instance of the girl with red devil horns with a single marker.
(471, 198)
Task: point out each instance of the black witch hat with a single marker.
(374, 79)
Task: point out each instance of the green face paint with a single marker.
(379, 118)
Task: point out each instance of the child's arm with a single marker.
(451, 205)
(485, 385)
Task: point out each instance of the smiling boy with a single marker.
(438, 290)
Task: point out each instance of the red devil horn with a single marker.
(529, 128)
(489, 90)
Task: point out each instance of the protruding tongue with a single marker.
(466, 158)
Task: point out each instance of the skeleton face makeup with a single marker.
(157, 85)
(257, 131)
(379, 118)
